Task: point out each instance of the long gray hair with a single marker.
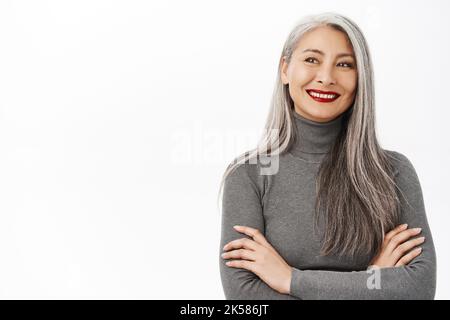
(355, 185)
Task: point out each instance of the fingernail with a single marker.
(404, 226)
(419, 249)
(236, 227)
(223, 255)
(417, 230)
(422, 238)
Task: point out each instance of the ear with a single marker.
(284, 67)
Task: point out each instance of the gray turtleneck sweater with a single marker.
(281, 206)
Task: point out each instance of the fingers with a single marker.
(407, 258)
(254, 233)
(394, 231)
(243, 264)
(401, 237)
(240, 254)
(406, 246)
(241, 243)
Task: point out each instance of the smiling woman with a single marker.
(326, 75)
(338, 205)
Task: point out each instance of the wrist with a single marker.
(287, 288)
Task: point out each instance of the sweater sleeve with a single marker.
(417, 280)
(241, 205)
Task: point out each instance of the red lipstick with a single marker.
(322, 96)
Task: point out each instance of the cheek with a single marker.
(301, 76)
(350, 83)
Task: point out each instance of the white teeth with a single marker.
(323, 96)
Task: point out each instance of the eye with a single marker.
(309, 59)
(347, 64)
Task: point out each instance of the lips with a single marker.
(323, 96)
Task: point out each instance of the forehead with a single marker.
(326, 39)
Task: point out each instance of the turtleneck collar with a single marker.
(314, 139)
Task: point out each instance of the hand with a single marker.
(259, 257)
(394, 250)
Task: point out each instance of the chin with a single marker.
(319, 115)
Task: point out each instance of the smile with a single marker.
(322, 96)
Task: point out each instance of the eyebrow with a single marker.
(338, 56)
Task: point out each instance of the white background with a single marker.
(118, 118)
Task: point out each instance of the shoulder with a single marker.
(245, 177)
(398, 159)
(403, 167)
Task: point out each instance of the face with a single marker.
(322, 74)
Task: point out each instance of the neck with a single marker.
(314, 138)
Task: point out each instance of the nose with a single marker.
(325, 75)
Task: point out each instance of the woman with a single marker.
(339, 217)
